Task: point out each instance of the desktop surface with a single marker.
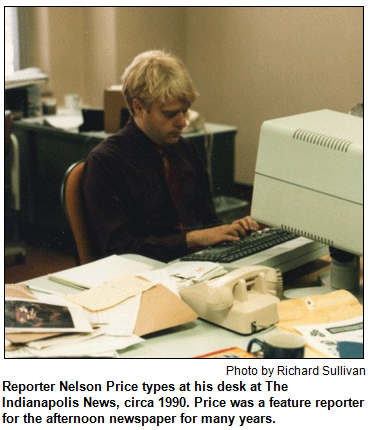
(189, 341)
(192, 339)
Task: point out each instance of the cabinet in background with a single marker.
(47, 152)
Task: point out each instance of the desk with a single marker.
(189, 340)
(185, 341)
(46, 153)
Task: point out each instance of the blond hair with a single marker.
(157, 76)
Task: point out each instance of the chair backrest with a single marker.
(71, 199)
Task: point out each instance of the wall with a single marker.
(256, 63)
(115, 35)
(56, 44)
(143, 28)
(249, 64)
(86, 49)
(101, 52)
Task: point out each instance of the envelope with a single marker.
(161, 309)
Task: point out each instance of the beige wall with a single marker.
(86, 49)
(56, 44)
(253, 64)
(143, 28)
(115, 35)
(101, 53)
(249, 63)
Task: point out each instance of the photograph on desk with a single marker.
(42, 313)
(20, 314)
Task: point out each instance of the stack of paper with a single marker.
(324, 320)
(96, 273)
(113, 304)
(188, 273)
(110, 293)
(45, 325)
(326, 337)
(69, 121)
(25, 77)
(183, 274)
(95, 344)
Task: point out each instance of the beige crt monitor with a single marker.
(309, 177)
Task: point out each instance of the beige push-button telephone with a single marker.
(244, 300)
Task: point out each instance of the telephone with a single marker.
(244, 300)
(194, 121)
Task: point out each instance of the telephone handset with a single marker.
(244, 300)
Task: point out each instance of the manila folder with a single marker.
(161, 309)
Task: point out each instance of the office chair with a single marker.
(71, 200)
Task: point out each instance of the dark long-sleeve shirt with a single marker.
(128, 203)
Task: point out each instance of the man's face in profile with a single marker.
(163, 122)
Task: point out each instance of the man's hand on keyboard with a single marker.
(247, 224)
(223, 233)
(212, 236)
(256, 243)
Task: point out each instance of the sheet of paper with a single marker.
(96, 273)
(91, 344)
(110, 293)
(161, 276)
(68, 340)
(106, 354)
(183, 274)
(22, 352)
(65, 122)
(90, 347)
(25, 352)
(24, 77)
(325, 337)
(119, 320)
(195, 271)
(318, 309)
(59, 341)
(18, 291)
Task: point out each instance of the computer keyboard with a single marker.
(229, 252)
(269, 247)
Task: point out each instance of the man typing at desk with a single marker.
(145, 189)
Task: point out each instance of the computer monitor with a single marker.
(309, 178)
